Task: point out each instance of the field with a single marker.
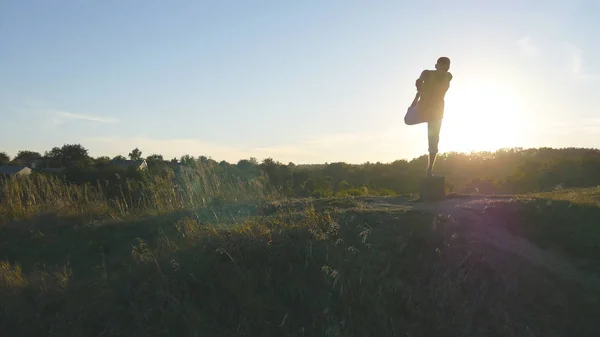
(209, 169)
(259, 266)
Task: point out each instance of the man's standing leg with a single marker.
(433, 135)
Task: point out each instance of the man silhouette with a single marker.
(432, 86)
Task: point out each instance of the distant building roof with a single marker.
(175, 165)
(52, 169)
(12, 169)
(128, 163)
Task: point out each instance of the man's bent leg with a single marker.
(433, 135)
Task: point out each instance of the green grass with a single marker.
(566, 222)
(291, 268)
(582, 196)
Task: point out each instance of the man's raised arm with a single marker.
(420, 80)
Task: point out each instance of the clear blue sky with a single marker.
(303, 81)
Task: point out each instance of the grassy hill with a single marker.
(365, 266)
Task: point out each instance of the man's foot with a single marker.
(429, 173)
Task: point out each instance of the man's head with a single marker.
(443, 64)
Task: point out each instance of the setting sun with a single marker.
(482, 116)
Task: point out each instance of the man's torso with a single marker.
(433, 91)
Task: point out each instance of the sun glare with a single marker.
(482, 116)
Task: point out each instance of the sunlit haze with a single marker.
(300, 81)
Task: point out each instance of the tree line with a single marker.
(514, 170)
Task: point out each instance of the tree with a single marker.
(4, 158)
(337, 171)
(69, 155)
(119, 158)
(154, 158)
(27, 157)
(269, 167)
(187, 160)
(135, 154)
(75, 155)
(101, 161)
(52, 158)
(245, 165)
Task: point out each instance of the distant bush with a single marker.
(192, 181)
(503, 171)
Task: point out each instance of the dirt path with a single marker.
(486, 229)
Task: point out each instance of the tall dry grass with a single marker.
(195, 186)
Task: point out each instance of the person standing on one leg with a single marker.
(432, 86)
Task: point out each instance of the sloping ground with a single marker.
(339, 267)
(486, 221)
